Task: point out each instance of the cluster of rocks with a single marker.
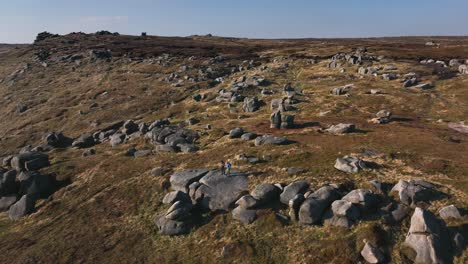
(238, 87)
(258, 140)
(359, 57)
(197, 191)
(278, 119)
(382, 117)
(343, 90)
(21, 184)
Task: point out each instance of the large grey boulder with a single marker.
(414, 191)
(175, 196)
(247, 202)
(350, 164)
(448, 212)
(364, 199)
(251, 104)
(236, 132)
(30, 161)
(275, 119)
(24, 206)
(313, 208)
(295, 205)
(341, 128)
(244, 215)
(270, 140)
(426, 237)
(287, 121)
(372, 254)
(6, 202)
(172, 227)
(345, 209)
(117, 139)
(180, 210)
(84, 141)
(248, 136)
(56, 140)
(8, 184)
(130, 127)
(293, 189)
(219, 192)
(35, 184)
(180, 181)
(266, 193)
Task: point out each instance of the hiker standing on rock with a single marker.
(228, 166)
(222, 167)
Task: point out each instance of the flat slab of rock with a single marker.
(219, 192)
(271, 140)
(30, 161)
(180, 181)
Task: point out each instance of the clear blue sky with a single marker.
(21, 20)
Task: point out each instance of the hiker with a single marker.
(222, 167)
(228, 166)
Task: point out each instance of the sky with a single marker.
(21, 20)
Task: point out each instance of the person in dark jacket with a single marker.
(222, 167)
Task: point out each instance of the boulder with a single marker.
(236, 132)
(415, 191)
(265, 193)
(84, 141)
(8, 184)
(350, 164)
(248, 136)
(295, 205)
(244, 215)
(313, 208)
(293, 189)
(29, 161)
(341, 128)
(275, 119)
(271, 140)
(372, 254)
(287, 121)
(24, 206)
(345, 209)
(180, 181)
(117, 139)
(56, 140)
(463, 69)
(364, 199)
(35, 184)
(164, 148)
(172, 227)
(6, 202)
(448, 212)
(175, 196)
(426, 237)
(247, 202)
(338, 91)
(251, 104)
(219, 192)
(180, 210)
(129, 127)
(187, 148)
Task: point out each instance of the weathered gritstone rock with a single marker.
(295, 205)
(236, 132)
(382, 117)
(372, 254)
(24, 206)
(8, 184)
(293, 189)
(30, 161)
(6, 202)
(218, 192)
(84, 141)
(364, 199)
(175, 196)
(244, 215)
(180, 181)
(247, 202)
(313, 208)
(35, 184)
(350, 164)
(265, 193)
(463, 69)
(172, 227)
(459, 127)
(448, 212)
(415, 191)
(427, 237)
(251, 104)
(341, 128)
(270, 140)
(275, 119)
(248, 136)
(56, 140)
(395, 212)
